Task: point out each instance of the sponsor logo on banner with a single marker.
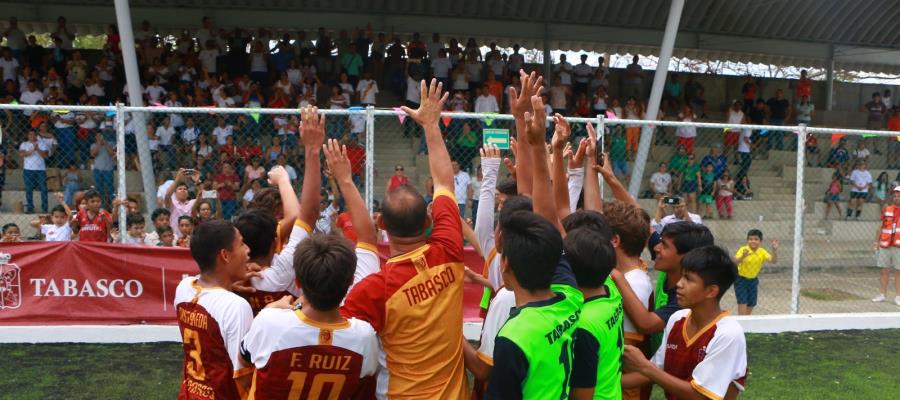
(10, 283)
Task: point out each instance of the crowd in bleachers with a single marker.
(215, 67)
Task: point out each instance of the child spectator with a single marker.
(833, 194)
(92, 223)
(11, 233)
(134, 223)
(160, 218)
(861, 182)
(185, 228)
(744, 192)
(166, 236)
(724, 195)
(661, 181)
(58, 230)
(838, 157)
(711, 363)
(689, 180)
(882, 184)
(707, 189)
(255, 186)
(750, 259)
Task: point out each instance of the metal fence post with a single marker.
(601, 139)
(799, 205)
(370, 157)
(122, 190)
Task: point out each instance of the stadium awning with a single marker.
(863, 35)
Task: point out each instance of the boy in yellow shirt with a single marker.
(750, 259)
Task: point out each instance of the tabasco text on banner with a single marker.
(68, 283)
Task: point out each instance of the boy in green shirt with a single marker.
(750, 259)
(598, 335)
(618, 154)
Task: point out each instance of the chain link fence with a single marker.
(737, 178)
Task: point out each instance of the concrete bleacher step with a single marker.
(15, 180)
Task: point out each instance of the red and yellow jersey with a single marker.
(279, 279)
(415, 305)
(711, 360)
(298, 358)
(212, 322)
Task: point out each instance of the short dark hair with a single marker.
(532, 246)
(9, 225)
(268, 198)
(91, 193)
(324, 265)
(755, 232)
(181, 183)
(403, 212)
(190, 219)
(687, 236)
(208, 239)
(134, 219)
(713, 265)
(589, 220)
(508, 187)
(164, 229)
(159, 211)
(258, 229)
(591, 256)
(512, 205)
(630, 223)
(58, 208)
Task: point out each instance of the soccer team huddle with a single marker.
(278, 312)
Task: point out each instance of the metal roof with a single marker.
(774, 31)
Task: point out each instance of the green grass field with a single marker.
(812, 365)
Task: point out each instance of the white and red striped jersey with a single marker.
(212, 322)
(298, 358)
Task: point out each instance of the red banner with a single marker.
(64, 283)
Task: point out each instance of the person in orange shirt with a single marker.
(494, 87)
(415, 302)
(804, 86)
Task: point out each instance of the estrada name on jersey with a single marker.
(212, 322)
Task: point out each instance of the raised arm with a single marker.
(618, 190)
(544, 203)
(484, 219)
(313, 135)
(520, 103)
(279, 177)
(575, 175)
(171, 189)
(592, 198)
(558, 178)
(339, 164)
(427, 115)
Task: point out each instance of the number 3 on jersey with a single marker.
(318, 383)
(195, 367)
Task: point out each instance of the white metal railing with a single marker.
(601, 122)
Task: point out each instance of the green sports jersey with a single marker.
(533, 353)
(599, 342)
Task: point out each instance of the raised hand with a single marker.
(520, 102)
(745, 253)
(535, 123)
(561, 133)
(278, 176)
(312, 129)
(775, 245)
(432, 102)
(490, 151)
(336, 159)
(577, 160)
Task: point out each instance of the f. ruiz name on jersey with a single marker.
(320, 361)
(423, 291)
(194, 319)
(557, 332)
